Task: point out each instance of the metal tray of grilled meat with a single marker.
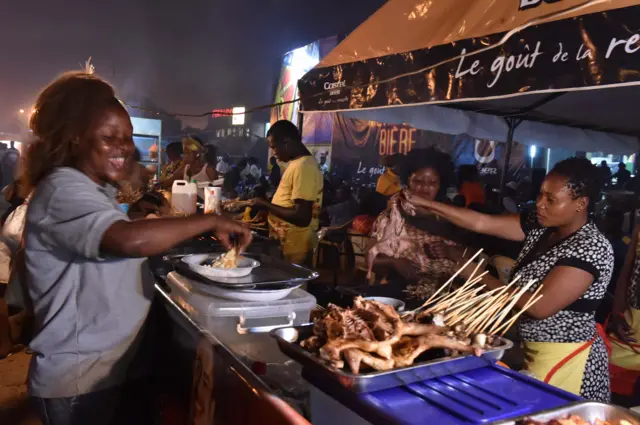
(273, 272)
(590, 411)
(431, 364)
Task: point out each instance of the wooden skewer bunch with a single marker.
(479, 311)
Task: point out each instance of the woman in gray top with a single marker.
(85, 261)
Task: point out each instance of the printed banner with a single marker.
(358, 147)
(597, 49)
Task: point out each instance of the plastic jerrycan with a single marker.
(184, 196)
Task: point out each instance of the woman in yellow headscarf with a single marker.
(199, 163)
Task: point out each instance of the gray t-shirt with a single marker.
(89, 309)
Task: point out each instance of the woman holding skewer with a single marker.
(565, 253)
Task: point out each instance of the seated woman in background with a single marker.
(416, 248)
(174, 168)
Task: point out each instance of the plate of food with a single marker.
(228, 264)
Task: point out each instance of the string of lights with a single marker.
(501, 42)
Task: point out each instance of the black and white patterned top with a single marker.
(587, 249)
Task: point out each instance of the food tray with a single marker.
(272, 272)
(375, 381)
(588, 410)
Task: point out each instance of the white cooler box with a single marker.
(243, 326)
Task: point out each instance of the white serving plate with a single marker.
(252, 295)
(245, 266)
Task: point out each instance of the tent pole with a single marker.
(512, 123)
(300, 122)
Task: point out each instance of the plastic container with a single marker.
(480, 396)
(212, 198)
(184, 197)
(244, 326)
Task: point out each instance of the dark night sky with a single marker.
(186, 56)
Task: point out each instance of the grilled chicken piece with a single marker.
(408, 349)
(417, 329)
(341, 323)
(331, 350)
(312, 343)
(356, 357)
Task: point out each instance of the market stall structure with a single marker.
(559, 74)
(536, 72)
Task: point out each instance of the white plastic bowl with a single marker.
(245, 266)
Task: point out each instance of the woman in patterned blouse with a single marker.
(566, 253)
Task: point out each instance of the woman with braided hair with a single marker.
(85, 264)
(565, 252)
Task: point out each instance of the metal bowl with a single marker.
(398, 304)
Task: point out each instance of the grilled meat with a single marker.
(373, 335)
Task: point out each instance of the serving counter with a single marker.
(217, 371)
(211, 373)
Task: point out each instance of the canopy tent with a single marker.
(564, 72)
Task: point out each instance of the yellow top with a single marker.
(301, 180)
(388, 183)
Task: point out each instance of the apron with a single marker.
(624, 362)
(561, 364)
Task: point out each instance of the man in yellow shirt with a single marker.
(295, 208)
(389, 182)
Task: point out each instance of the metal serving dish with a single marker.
(430, 365)
(273, 273)
(202, 264)
(587, 410)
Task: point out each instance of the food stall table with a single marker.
(252, 382)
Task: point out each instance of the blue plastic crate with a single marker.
(479, 396)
